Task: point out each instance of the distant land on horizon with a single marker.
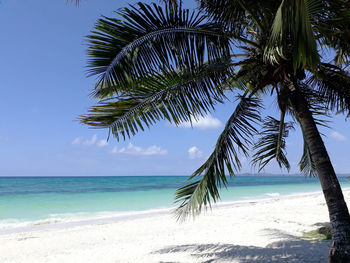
(91, 175)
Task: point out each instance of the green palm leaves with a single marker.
(235, 139)
(306, 164)
(175, 95)
(149, 39)
(272, 144)
(333, 85)
(293, 24)
(165, 62)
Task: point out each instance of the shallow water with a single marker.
(42, 200)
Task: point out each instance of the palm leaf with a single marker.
(151, 37)
(73, 1)
(333, 85)
(317, 104)
(271, 144)
(240, 14)
(175, 95)
(306, 164)
(235, 138)
(333, 28)
(292, 23)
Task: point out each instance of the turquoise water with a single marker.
(56, 199)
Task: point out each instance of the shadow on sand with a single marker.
(290, 250)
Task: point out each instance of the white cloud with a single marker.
(114, 150)
(77, 140)
(91, 141)
(136, 150)
(203, 123)
(338, 136)
(194, 153)
(155, 150)
(102, 143)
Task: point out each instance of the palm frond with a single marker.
(175, 3)
(73, 1)
(239, 15)
(316, 103)
(333, 28)
(341, 58)
(306, 165)
(333, 85)
(254, 74)
(236, 137)
(151, 37)
(292, 24)
(271, 144)
(231, 13)
(175, 95)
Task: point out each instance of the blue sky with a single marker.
(44, 90)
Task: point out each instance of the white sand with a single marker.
(261, 231)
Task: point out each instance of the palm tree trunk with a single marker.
(337, 208)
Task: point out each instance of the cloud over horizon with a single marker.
(92, 141)
(203, 123)
(102, 143)
(194, 153)
(77, 140)
(136, 150)
(338, 136)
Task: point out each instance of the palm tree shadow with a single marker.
(291, 250)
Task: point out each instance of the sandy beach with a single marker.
(252, 231)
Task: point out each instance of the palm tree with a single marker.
(165, 62)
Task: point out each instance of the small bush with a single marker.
(326, 231)
(320, 234)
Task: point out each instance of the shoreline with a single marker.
(50, 202)
(160, 175)
(264, 230)
(105, 217)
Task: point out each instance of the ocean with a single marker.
(28, 201)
